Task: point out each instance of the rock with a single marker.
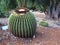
(34, 36)
(30, 40)
(58, 23)
(4, 27)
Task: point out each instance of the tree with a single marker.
(52, 7)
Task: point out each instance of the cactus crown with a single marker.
(22, 10)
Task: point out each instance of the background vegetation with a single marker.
(49, 6)
(6, 6)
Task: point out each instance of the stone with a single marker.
(34, 36)
(58, 23)
(4, 27)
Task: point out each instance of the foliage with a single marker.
(26, 3)
(31, 4)
(5, 6)
(45, 4)
(42, 5)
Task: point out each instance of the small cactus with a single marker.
(44, 23)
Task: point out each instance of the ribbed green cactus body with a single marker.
(22, 25)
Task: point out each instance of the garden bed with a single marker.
(44, 36)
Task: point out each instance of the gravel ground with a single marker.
(44, 36)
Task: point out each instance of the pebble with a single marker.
(34, 36)
(30, 40)
(4, 27)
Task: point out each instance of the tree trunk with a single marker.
(54, 10)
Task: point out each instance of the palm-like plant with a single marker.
(25, 3)
(38, 4)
